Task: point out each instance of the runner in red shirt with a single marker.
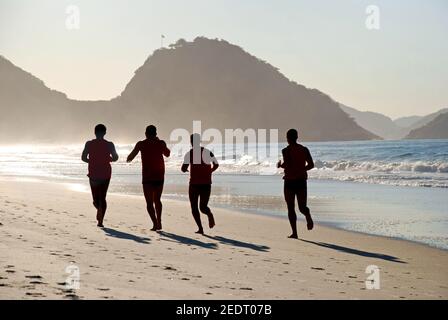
(202, 164)
(99, 153)
(153, 172)
(297, 161)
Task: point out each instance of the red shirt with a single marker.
(200, 165)
(153, 164)
(295, 159)
(99, 159)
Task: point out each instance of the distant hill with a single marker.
(435, 129)
(29, 110)
(376, 123)
(387, 128)
(406, 122)
(226, 87)
(427, 119)
(209, 80)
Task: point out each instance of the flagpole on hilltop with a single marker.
(161, 40)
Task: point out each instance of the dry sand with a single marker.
(46, 226)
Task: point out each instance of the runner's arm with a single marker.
(113, 152)
(309, 160)
(281, 164)
(215, 162)
(186, 163)
(85, 153)
(134, 153)
(166, 151)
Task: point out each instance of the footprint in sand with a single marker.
(35, 294)
(246, 289)
(5, 285)
(68, 292)
(170, 268)
(214, 287)
(28, 286)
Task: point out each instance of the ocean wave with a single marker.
(378, 166)
(401, 163)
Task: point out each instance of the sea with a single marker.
(396, 189)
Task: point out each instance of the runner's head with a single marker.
(292, 136)
(151, 131)
(100, 130)
(195, 139)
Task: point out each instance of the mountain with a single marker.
(406, 122)
(208, 80)
(376, 123)
(387, 128)
(24, 100)
(427, 119)
(435, 129)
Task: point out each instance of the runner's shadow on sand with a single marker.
(123, 235)
(356, 251)
(238, 243)
(187, 241)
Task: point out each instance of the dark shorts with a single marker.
(296, 189)
(200, 188)
(99, 182)
(99, 191)
(154, 183)
(294, 185)
(201, 193)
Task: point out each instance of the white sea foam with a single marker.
(406, 163)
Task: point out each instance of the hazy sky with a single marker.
(400, 69)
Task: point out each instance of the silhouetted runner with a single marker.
(153, 172)
(297, 161)
(202, 163)
(99, 153)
